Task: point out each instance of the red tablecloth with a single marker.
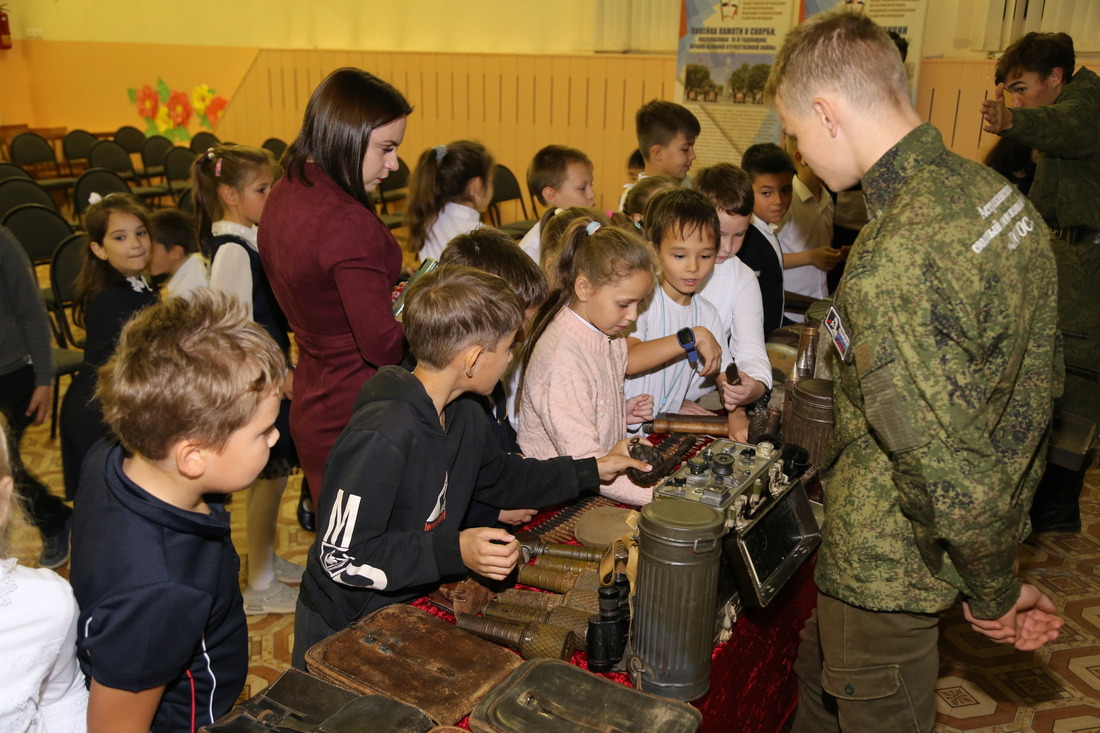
(752, 689)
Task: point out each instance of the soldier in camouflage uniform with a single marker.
(945, 330)
(1056, 112)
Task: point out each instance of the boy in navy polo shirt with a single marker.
(192, 393)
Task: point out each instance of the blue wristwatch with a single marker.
(686, 338)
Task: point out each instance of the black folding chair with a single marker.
(276, 146)
(152, 156)
(11, 170)
(33, 152)
(76, 146)
(96, 180)
(203, 141)
(64, 267)
(506, 188)
(177, 170)
(130, 138)
(18, 191)
(110, 155)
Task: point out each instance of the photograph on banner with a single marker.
(725, 53)
(906, 18)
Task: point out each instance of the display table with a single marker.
(752, 688)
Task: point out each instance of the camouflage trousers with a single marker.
(866, 671)
(1079, 321)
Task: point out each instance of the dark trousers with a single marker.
(45, 511)
(309, 629)
(863, 671)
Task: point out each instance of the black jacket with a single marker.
(396, 488)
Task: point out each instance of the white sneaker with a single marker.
(276, 598)
(287, 571)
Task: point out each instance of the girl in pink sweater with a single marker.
(571, 397)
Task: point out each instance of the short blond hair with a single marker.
(455, 307)
(188, 368)
(840, 51)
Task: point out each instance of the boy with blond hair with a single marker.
(191, 393)
(945, 328)
(559, 177)
(402, 474)
(733, 288)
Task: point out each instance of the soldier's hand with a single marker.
(1028, 625)
(998, 117)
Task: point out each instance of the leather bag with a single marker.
(302, 703)
(409, 655)
(551, 696)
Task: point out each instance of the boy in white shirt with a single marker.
(771, 171)
(175, 253)
(559, 177)
(674, 346)
(733, 288)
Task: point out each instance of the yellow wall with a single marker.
(497, 26)
(83, 84)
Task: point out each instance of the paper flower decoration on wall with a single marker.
(169, 113)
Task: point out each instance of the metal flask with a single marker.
(680, 545)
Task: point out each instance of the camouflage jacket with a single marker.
(944, 400)
(1066, 190)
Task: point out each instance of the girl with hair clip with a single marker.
(449, 190)
(109, 290)
(640, 193)
(571, 396)
(331, 261)
(230, 185)
(41, 685)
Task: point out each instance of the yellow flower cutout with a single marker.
(200, 97)
(162, 120)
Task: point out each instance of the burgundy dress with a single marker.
(331, 263)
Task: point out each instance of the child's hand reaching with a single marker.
(516, 517)
(690, 407)
(710, 353)
(734, 395)
(489, 551)
(618, 460)
(639, 409)
(738, 425)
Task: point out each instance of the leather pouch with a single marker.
(299, 702)
(409, 655)
(550, 696)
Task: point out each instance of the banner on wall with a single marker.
(724, 57)
(904, 17)
(725, 54)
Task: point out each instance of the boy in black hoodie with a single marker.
(400, 477)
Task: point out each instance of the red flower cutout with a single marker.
(147, 102)
(214, 109)
(179, 109)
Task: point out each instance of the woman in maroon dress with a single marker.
(331, 262)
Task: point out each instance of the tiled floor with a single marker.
(982, 686)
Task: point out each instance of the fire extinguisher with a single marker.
(5, 28)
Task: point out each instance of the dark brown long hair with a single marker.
(340, 116)
(235, 166)
(441, 176)
(97, 275)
